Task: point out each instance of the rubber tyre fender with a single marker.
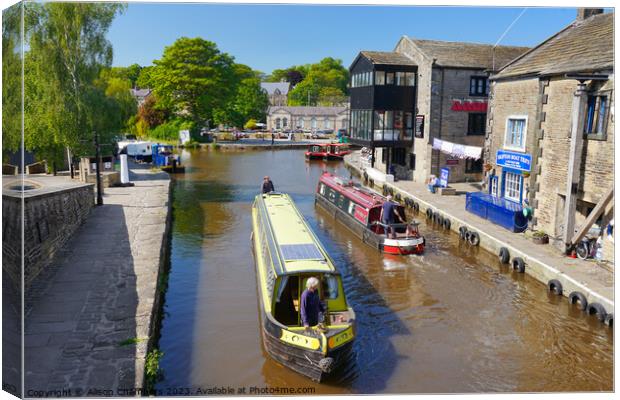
(371, 183)
(518, 264)
(474, 238)
(365, 176)
(429, 213)
(579, 299)
(390, 191)
(609, 320)
(598, 309)
(384, 189)
(555, 286)
(447, 224)
(504, 255)
(416, 206)
(397, 197)
(439, 220)
(462, 232)
(424, 241)
(467, 234)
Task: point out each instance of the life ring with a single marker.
(555, 286)
(598, 310)
(462, 232)
(446, 224)
(609, 320)
(429, 213)
(579, 299)
(416, 206)
(504, 255)
(439, 220)
(474, 239)
(518, 264)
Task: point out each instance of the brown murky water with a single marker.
(452, 320)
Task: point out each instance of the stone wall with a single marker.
(50, 219)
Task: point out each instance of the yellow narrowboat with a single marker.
(287, 253)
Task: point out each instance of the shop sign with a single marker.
(444, 177)
(469, 106)
(419, 126)
(519, 161)
(454, 161)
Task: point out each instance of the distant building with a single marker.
(307, 118)
(401, 101)
(549, 114)
(140, 95)
(277, 92)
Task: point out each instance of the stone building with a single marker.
(140, 95)
(277, 92)
(550, 130)
(451, 102)
(308, 119)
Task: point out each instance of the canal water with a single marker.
(450, 321)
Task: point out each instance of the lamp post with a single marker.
(98, 171)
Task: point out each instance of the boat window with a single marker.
(286, 310)
(281, 288)
(322, 189)
(330, 286)
(351, 208)
(341, 201)
(332, 195)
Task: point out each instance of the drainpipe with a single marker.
(574, 162)
(441, 95)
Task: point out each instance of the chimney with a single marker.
(585, 13)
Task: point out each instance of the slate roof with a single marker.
(583, 46)
(270, 87)
(468, 55)
(307, 111)
(387, 58)
(140, 92)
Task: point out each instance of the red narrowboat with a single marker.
(359, 209)
(327, 151)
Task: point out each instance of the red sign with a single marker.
(469, 106)
(452, 161)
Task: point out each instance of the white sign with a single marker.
(184, 136)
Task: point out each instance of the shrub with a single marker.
(170, 130)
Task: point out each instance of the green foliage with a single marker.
(293, 75)
(170, 130)
(11, 82)
(152, 112)
(130, 341)
(144, 77)
(151, 367)
(118, 88)
(324, 82)
(331, 96)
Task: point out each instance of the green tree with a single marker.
(151, 112)
(324, 80)
(144, 77)
(11, 82)
(193, 78)
(331, 96)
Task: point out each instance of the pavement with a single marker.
(594, 279)
(89, 316)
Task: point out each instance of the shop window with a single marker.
(478, 86)
(596, 117)
(476, 124)
(389, 78)
(380, 78)
(473, 166)
(515, 133)
(512, 186)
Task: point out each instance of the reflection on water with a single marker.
(452, 320)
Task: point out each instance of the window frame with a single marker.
(508, 146)
(469, 124)
(518, 183)
(379, 82)
(469, 166)
(477, 79)
(603, 134)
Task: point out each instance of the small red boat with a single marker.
(327, 151)
(359, 209)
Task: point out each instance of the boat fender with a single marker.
(474, 238)
(397, 197)
(462, 232)
(423, 241)
(609, 320)
(390, 191)
(416, 206)
(371, 183)
(439, 220)
(467, 234)
(365, 176)
(446, 224)
(579, 299)
(518, 264)
(326, 364)
(598, 310)
(555, 286)
(429, 213)
(504, 255)
(408, 202)
(384, 189)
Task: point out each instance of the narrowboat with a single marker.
(164, 158)
(286, 254)
(359, 209)
(327, 151)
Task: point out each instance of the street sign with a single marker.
(419, 126)
(444, 177)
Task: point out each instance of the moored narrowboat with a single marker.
(317, 151)
(287, 254)
(327, 151)
(359, 209)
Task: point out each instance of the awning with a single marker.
(457, 150)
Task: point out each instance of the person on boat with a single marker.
(310, 304)
(267, 185)
(388, 211)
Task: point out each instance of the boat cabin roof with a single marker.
(289, 235)
(363, 197)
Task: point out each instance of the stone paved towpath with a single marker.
(89, 316)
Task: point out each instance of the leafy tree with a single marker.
(328, 77)
(144, 77)
(331, 96)
(247, 101)
(11, 82)
(193, 78)
(118, 88)
(130, 73)
(151, 113)
(293, 75)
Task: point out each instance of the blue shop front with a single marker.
(503, 203)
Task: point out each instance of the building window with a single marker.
(313, 123)
(300, 123)
(399, 156)
(410, 78)
(284, 122)
(360, 124)
(512, 186)
(400, 78)
(494, 185)
(473, 166)
(380, 78)
(389, 78)
(596, 116)
(278, 123)
(327, 123)
(478, 86)
(476, 124)
(515, 133)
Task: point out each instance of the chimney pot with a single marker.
(585, 13)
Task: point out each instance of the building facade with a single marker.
(550, 130)
(277, 92)
(451, 91)
(307, 119)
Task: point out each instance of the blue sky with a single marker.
(266, 37)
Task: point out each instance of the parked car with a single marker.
(319, 135)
